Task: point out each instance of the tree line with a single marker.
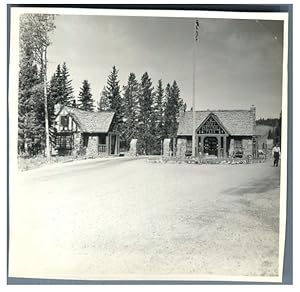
(141, 111)
(274, 134)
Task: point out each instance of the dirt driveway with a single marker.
(139, 219)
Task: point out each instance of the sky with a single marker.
(238, 62)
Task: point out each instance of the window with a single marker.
(238, 144)
(102, 139)
(64, 142)
(64, 121)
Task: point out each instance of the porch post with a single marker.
(197, 145)
(107, 142)
(116, 144)
(219, 146)
(201, 145)
(225, 146)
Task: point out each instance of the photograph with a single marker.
(147, 144)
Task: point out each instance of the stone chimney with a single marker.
(253, 116)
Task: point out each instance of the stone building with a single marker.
(220, 133)
(79, 132)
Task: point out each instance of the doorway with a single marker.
(211, 146)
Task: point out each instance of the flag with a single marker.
(196, 29)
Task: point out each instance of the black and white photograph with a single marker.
(147, 144)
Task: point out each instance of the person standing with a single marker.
(276, 154)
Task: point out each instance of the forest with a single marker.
(143, 110)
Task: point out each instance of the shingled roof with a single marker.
(236, 122)
(91, 122)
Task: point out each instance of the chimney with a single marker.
(253, 116)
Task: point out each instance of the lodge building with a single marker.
(79, 132)
(219, 133)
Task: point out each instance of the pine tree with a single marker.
(34, 35)
(146, 137)
(172, 109)
(168, 112)
(31, 127)
(66, 86)
(131, 95)
(270, 136)
(112, 94)
(158, 114)
(103, 103)
(85, 98)
(60, 89)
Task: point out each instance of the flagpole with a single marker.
(194, 85)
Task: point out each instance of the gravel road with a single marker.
(125, 218)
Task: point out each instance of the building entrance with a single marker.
(211, 146)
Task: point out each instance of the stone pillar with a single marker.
(166, 148)
(225, 146)
(181, 147)
(92, 147)
(132, 149)
(116, 145)
(76, 143)
(231, 147)
(247, 147)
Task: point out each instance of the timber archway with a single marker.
(211, 137)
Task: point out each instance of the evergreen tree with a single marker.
(85, 98)
(270, 135)
(113, 96)
(146, 137)
(31, 127)
(168, 113)
(103, 103)
(158, 114)
(172, 109)
(34, 35)
(131, 95)
(60, 89)
(66, 86)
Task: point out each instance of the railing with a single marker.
(102, 148)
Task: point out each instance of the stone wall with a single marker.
(133, 149)
(76, 143)
(92, 147)
(231, 147)
(166, 148)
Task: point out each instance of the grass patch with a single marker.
(27, 163)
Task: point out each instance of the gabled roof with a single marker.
(90, 122)
(236, 122)
(216, 119)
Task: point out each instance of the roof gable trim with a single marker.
(216, 119)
